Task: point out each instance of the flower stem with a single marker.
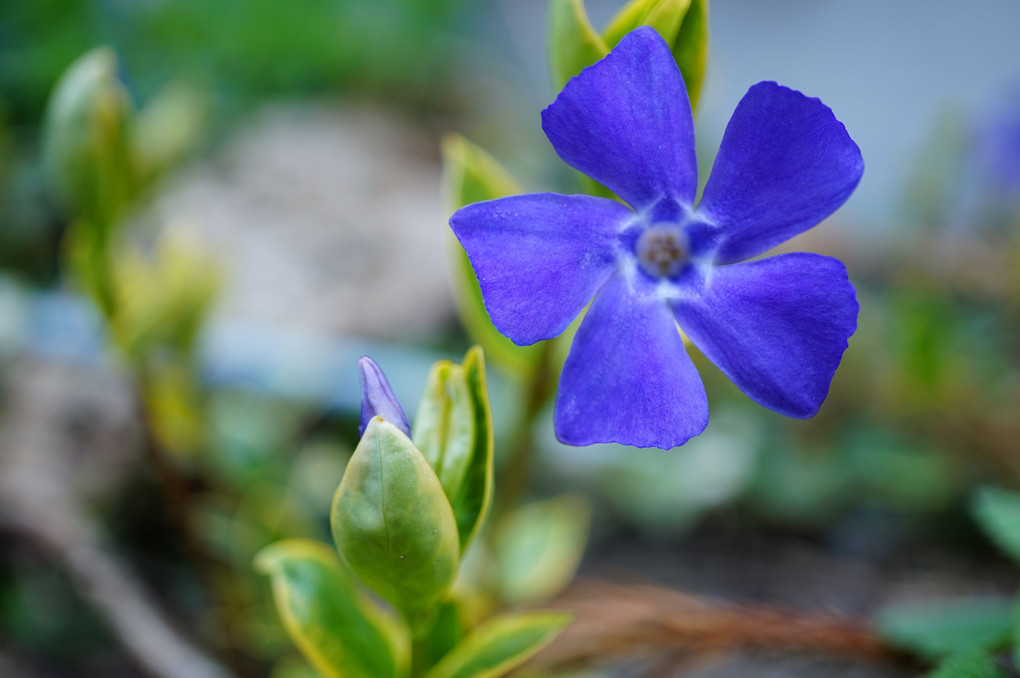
(420, 624)
(540, 385)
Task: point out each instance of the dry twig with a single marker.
(614, 622)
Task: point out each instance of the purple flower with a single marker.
(777, 327)
(998, 148)
(377, 399)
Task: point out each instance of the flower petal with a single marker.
(377, 399)
(785, 164)
(628, 378)
(539, 258)
(626, 122)
(777, 327)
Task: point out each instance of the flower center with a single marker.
(662, 250)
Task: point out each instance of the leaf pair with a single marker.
(575, 44)
(343, 634)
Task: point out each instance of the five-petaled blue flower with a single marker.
(777, 327)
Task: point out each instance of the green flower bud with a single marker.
(87, 140)
(392, 522)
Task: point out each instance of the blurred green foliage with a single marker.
(969, 665)
(937, 629)
(244, 51)
(241, 51)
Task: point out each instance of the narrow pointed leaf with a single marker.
(340, 631)
(392, 523)
(453, 430)
(690, 49)
(471, 504)
(573, 43)
(500, 645)
(444, 425)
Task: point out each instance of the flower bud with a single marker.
(392, 522)
(377, 399)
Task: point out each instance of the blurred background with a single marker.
(299, 221)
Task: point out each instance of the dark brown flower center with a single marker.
(662, 251)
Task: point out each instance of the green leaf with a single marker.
(471, 175)
(170, 128)
(446, 631)
(500, 645)
(941, 628)
(471, 503)
(340, 631)
(573, 43)
(968, 665)
(87, 140)
(683, 24)
(453, 430)
(690, 49)
(392, 523)
(539, 547)
(87, 257)
(163, 299)
(998, 513)
(444, 425)
(665, 16)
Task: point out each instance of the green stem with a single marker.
(420, 624)
(515, 477)
(98, 278)
(420, 659)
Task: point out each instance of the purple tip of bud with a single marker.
(377, 399)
